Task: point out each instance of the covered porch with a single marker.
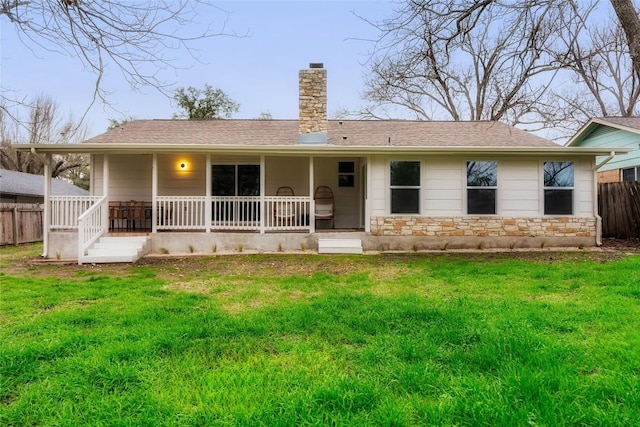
(160, 193)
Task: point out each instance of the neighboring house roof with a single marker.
(614, 134)
(628, 124)
(26, 184)
(344, 133)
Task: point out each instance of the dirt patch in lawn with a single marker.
(25, 261)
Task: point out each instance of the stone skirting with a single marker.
(483, 226)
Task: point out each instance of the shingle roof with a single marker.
(340, 133)
(630, 122)
(25, 184)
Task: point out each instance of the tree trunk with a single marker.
(630, 23)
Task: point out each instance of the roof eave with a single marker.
(585, 130)
(103, 148)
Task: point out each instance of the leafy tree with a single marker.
(207, 104)
(114, 123)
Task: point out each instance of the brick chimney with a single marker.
(313, 104)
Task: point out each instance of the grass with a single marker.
(438, 339)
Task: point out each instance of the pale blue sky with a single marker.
(259, 71)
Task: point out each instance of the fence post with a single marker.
(14, 221)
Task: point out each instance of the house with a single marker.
(614, 133)
(19, 187)
(202, 186)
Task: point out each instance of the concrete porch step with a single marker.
(339, 246)
(109, 249)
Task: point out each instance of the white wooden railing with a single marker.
(180, 213)
(287, 213)
(281, 213)
(92, 224)
(65, 210)
(235, 212)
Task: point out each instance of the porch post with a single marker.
(105, 175)
(207, 196)
(105, 187)
(262, 191)
(154, 193)
(312, 202)
(46, 215)
(367, 197)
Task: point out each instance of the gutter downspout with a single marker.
(595, 199)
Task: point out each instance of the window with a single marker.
(346, 174)
(235, 180)
(631, 174)
(231, 181)
(405, 187)
(482, 185)
(558, 188)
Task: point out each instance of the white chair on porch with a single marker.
(284, 212)
(325, 204)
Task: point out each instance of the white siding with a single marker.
(172, 181)
(287, 171)
(583, 193)
(519, 187)
(129, 176)
(442, 189)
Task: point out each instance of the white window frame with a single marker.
(476, 187)
(572, 188)
(407, 187)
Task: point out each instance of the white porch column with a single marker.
(207, 196)
(367, 198)
(105, 187)
(262, 191)
(154, 193)
(312, 202)
(46, 215)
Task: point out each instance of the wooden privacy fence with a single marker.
(619, 207)
(20, 223)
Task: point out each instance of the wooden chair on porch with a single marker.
(283, 211)
(325, 204)
(116, 215)
(135, 212)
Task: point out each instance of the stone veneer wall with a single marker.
(483, 226)
(313, 100)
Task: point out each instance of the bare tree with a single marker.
(630, 23)
(604, 81)
(42, 123)
(138, 38)
(467, 60)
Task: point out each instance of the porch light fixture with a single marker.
(183, 165)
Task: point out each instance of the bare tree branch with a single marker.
(137, 38)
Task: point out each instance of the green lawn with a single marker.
(419, 339)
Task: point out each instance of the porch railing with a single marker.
(65, 210)
(235, 212)
(280, 213)
(286, 213)
(181, 213)
(91, 225)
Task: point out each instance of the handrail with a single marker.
(65, 210)
(92, 224)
